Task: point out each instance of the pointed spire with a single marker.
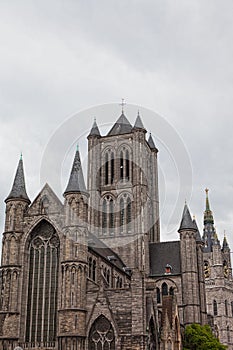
(215, 238)
(122, 126)
(208, 216)
(186, 221)
(18, 190)
(138, 123)
(198, 236)
(76, 181)
(94, 130)
(225, 245)
(151, 143)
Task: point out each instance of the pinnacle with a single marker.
(186, 221)
(151, 143)
(94, 130)
(18, 190)
(138, 123)
(76, 181)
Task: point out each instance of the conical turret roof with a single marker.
(94, 130)
(198, 237)
(186, 221)
(76, 182)
(122, 126)
(225, 245)
(18, 190)
(151, 143)
(138, 123)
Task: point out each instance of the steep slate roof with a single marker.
(94, 130)
(186, 221)
(138, 123)
(104, 251)
(76, 181)
(199, 239)
(151, 143)
(18, 190)
(122, 126)
(164, 253)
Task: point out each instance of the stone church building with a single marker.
(91, 273)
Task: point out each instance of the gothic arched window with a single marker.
(106, 168)
(42, 284)
(228, 334)
(112, 168)
(232, 308)
(122, 214)
(111, 213)
(128, 213)
(215, 308)
(101, 335)
(124, 164)
(125, 214)
(158, 295)
(108, 217)
(226, 308)
(164, 289)
(104, 215)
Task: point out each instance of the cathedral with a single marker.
(90, 272)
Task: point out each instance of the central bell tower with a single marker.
(123, 188)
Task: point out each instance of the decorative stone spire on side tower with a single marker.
(76, 181)
(186, 221)
(94, 130)
(198, 232)
(225, 245)
(18, 190)
(138, 123)
(151, 143)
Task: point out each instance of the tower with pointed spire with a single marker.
(218, 278)
(11, 266)
(75, 256)
(192, 276)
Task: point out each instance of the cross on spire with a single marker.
(122, 104)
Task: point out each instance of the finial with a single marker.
(138, 113)
(95, 119)
(185, 202)
(21, 156)
(206, 190)
(122, 104)
(77, 147)
(194, 217)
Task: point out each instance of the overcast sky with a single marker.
(172, 57)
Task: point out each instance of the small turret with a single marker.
(225, 245)
(186, 221)
(191, 255)
(139, 124)
(76, 182)
(17, 201)
(94, 130)
(18, 190)
(152, 144)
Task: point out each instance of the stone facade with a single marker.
(91, 272)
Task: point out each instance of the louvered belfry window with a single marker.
(42, 284)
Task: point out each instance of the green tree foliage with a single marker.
(201, 338)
